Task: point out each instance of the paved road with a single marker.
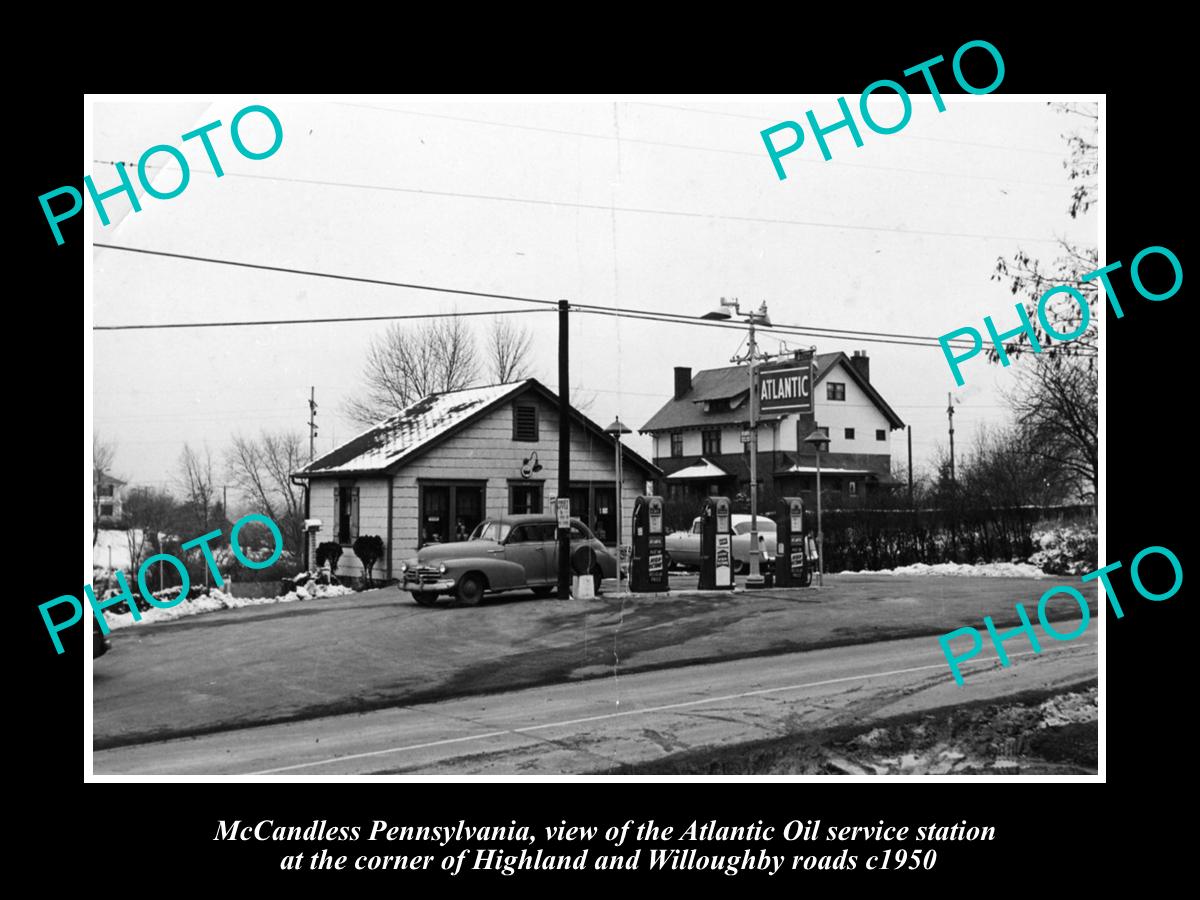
(378, 650)
(594, 725)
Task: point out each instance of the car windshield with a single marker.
(490, 531)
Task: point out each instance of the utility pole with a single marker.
(564, 445)
(312, 420)
(910, 474)
(950, 416)
(754, 579)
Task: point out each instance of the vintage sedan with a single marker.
(506, 553)
(683, 547)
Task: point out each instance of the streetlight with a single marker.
(759, 317)
(616, 429)
(817, 438)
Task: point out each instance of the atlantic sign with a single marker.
(786, 388)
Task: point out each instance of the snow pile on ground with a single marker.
(984, 570)
(216, 600)
(1070, 709)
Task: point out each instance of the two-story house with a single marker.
(698, 435)
(110, 494)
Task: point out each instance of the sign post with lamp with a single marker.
(817, 439)
(758, 317)
(616, 429)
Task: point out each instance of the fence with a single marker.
(863, 537)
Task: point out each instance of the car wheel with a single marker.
(470, 590)
(423, 599)
(667, 563)
(740, 567)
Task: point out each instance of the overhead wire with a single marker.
(650, 315)
(603, 207)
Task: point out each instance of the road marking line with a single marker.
(616, 715)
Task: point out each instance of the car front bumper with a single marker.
(425, 586)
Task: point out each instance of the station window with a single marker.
(711, 441)
(853, 488)
(880, 434)
(849, 434)
(677, 443)
(835, 390)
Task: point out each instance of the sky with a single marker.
(665, 205)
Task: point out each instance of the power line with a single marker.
(597, 310)
(800, 330)
(649, 315)
(713, 112)
(636, 210)
(453, 315)
(629, 140)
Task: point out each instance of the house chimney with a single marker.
(862, 364)
(683, 381)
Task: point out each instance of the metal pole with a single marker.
(820, 534)
(910, 474)
(564, 445)
(312, 412)
(754, 579)
(950, 416)
(620, 511)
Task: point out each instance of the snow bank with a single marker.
(111, 549)
(216, 600)
(983, 570)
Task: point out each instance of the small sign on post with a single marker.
(562, 508)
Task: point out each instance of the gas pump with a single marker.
(648, 574)
(716, 545)
(791, 562)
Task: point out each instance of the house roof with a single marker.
(733, 381)
(387, 446)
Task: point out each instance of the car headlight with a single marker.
(442, 569)
(403, 567)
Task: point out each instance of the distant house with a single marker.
(698, 435)
(110, 494)
(433, 472)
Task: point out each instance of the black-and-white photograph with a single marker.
(639, 436)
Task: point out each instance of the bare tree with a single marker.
(148, 513)
(1056, 397)
(103, 453)
(508, 348)
(1056, 403)
(195, 479)
(405, 364)
(261, 468)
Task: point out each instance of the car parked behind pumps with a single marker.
(505, 553)
(683, 547)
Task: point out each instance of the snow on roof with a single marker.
(826, 470)
(389, 442)
(702, 469)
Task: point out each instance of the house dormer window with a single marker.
(835, 390)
